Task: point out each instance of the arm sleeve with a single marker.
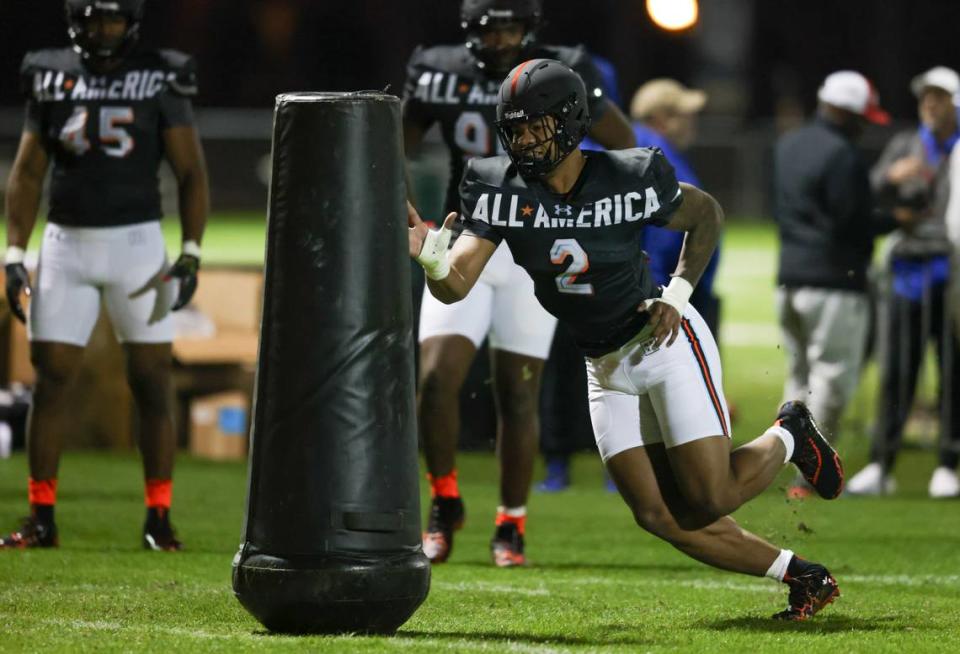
(592, 80)
(473, 217)
(414, 110)
(665, 185)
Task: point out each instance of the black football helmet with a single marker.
(531, 92)
(478, 15)
(79, 10)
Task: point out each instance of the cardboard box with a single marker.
(218, 426)
(230, 298)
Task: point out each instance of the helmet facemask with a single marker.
(499, 60)
(548, 143)
(98, 50)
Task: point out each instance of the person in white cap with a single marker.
(914, 171)
(827, 225)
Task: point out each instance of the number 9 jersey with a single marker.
(445, 85)
(104, 132)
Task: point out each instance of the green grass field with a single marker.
(596, 582)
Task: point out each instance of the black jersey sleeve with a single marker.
(581, 62)
(665, 184)
(33, 117)
(176, 108)
(175, 111)
(29, 68)
(413, 109)
(472, 188)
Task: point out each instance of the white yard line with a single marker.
(762, 585)
(489, 587)
(400, 642)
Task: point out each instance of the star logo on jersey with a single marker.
(564, 209)
(526, 210)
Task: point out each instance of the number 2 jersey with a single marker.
(582, 249)
(104, 132)
(445, 85)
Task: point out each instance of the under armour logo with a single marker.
(564, 209)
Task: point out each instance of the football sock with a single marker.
(784, 436)
(517, 515)
(445, 486)
(42, 496)
(780, 565)
(158, 493)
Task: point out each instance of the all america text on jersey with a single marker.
(514, 211)
(135, 85)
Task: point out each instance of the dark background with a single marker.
(250, 50)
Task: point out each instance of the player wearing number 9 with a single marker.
(571, 219)
(104, 113)
(455, 87)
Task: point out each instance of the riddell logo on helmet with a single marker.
(500, 13)
(514, 115)
(107, 6)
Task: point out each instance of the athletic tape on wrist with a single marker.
(14, 255)
(191, 248)
(433, 254)
(677, 293)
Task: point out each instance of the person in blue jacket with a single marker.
(664, 114)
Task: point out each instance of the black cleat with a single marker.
(158, 534)
(32, 533)
(506, 547)
(810, 591)
(817, 461)
(446, 516)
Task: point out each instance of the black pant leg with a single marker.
(899, 357)
(948, 357)
(564, 409)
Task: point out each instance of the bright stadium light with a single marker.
(673, 15)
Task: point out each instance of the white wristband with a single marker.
(433, 254)
(191, 248)
(677, 293)
(14, 255)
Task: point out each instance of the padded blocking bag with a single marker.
(331, 539)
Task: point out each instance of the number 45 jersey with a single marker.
(104, 132)
(582, 250)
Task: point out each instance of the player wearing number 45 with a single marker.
(456, 86)
(659, 416)
(104, 113)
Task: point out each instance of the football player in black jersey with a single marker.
(456, 86)
(104, 113)
(656, 400)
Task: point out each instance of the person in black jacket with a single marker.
(827, 225)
